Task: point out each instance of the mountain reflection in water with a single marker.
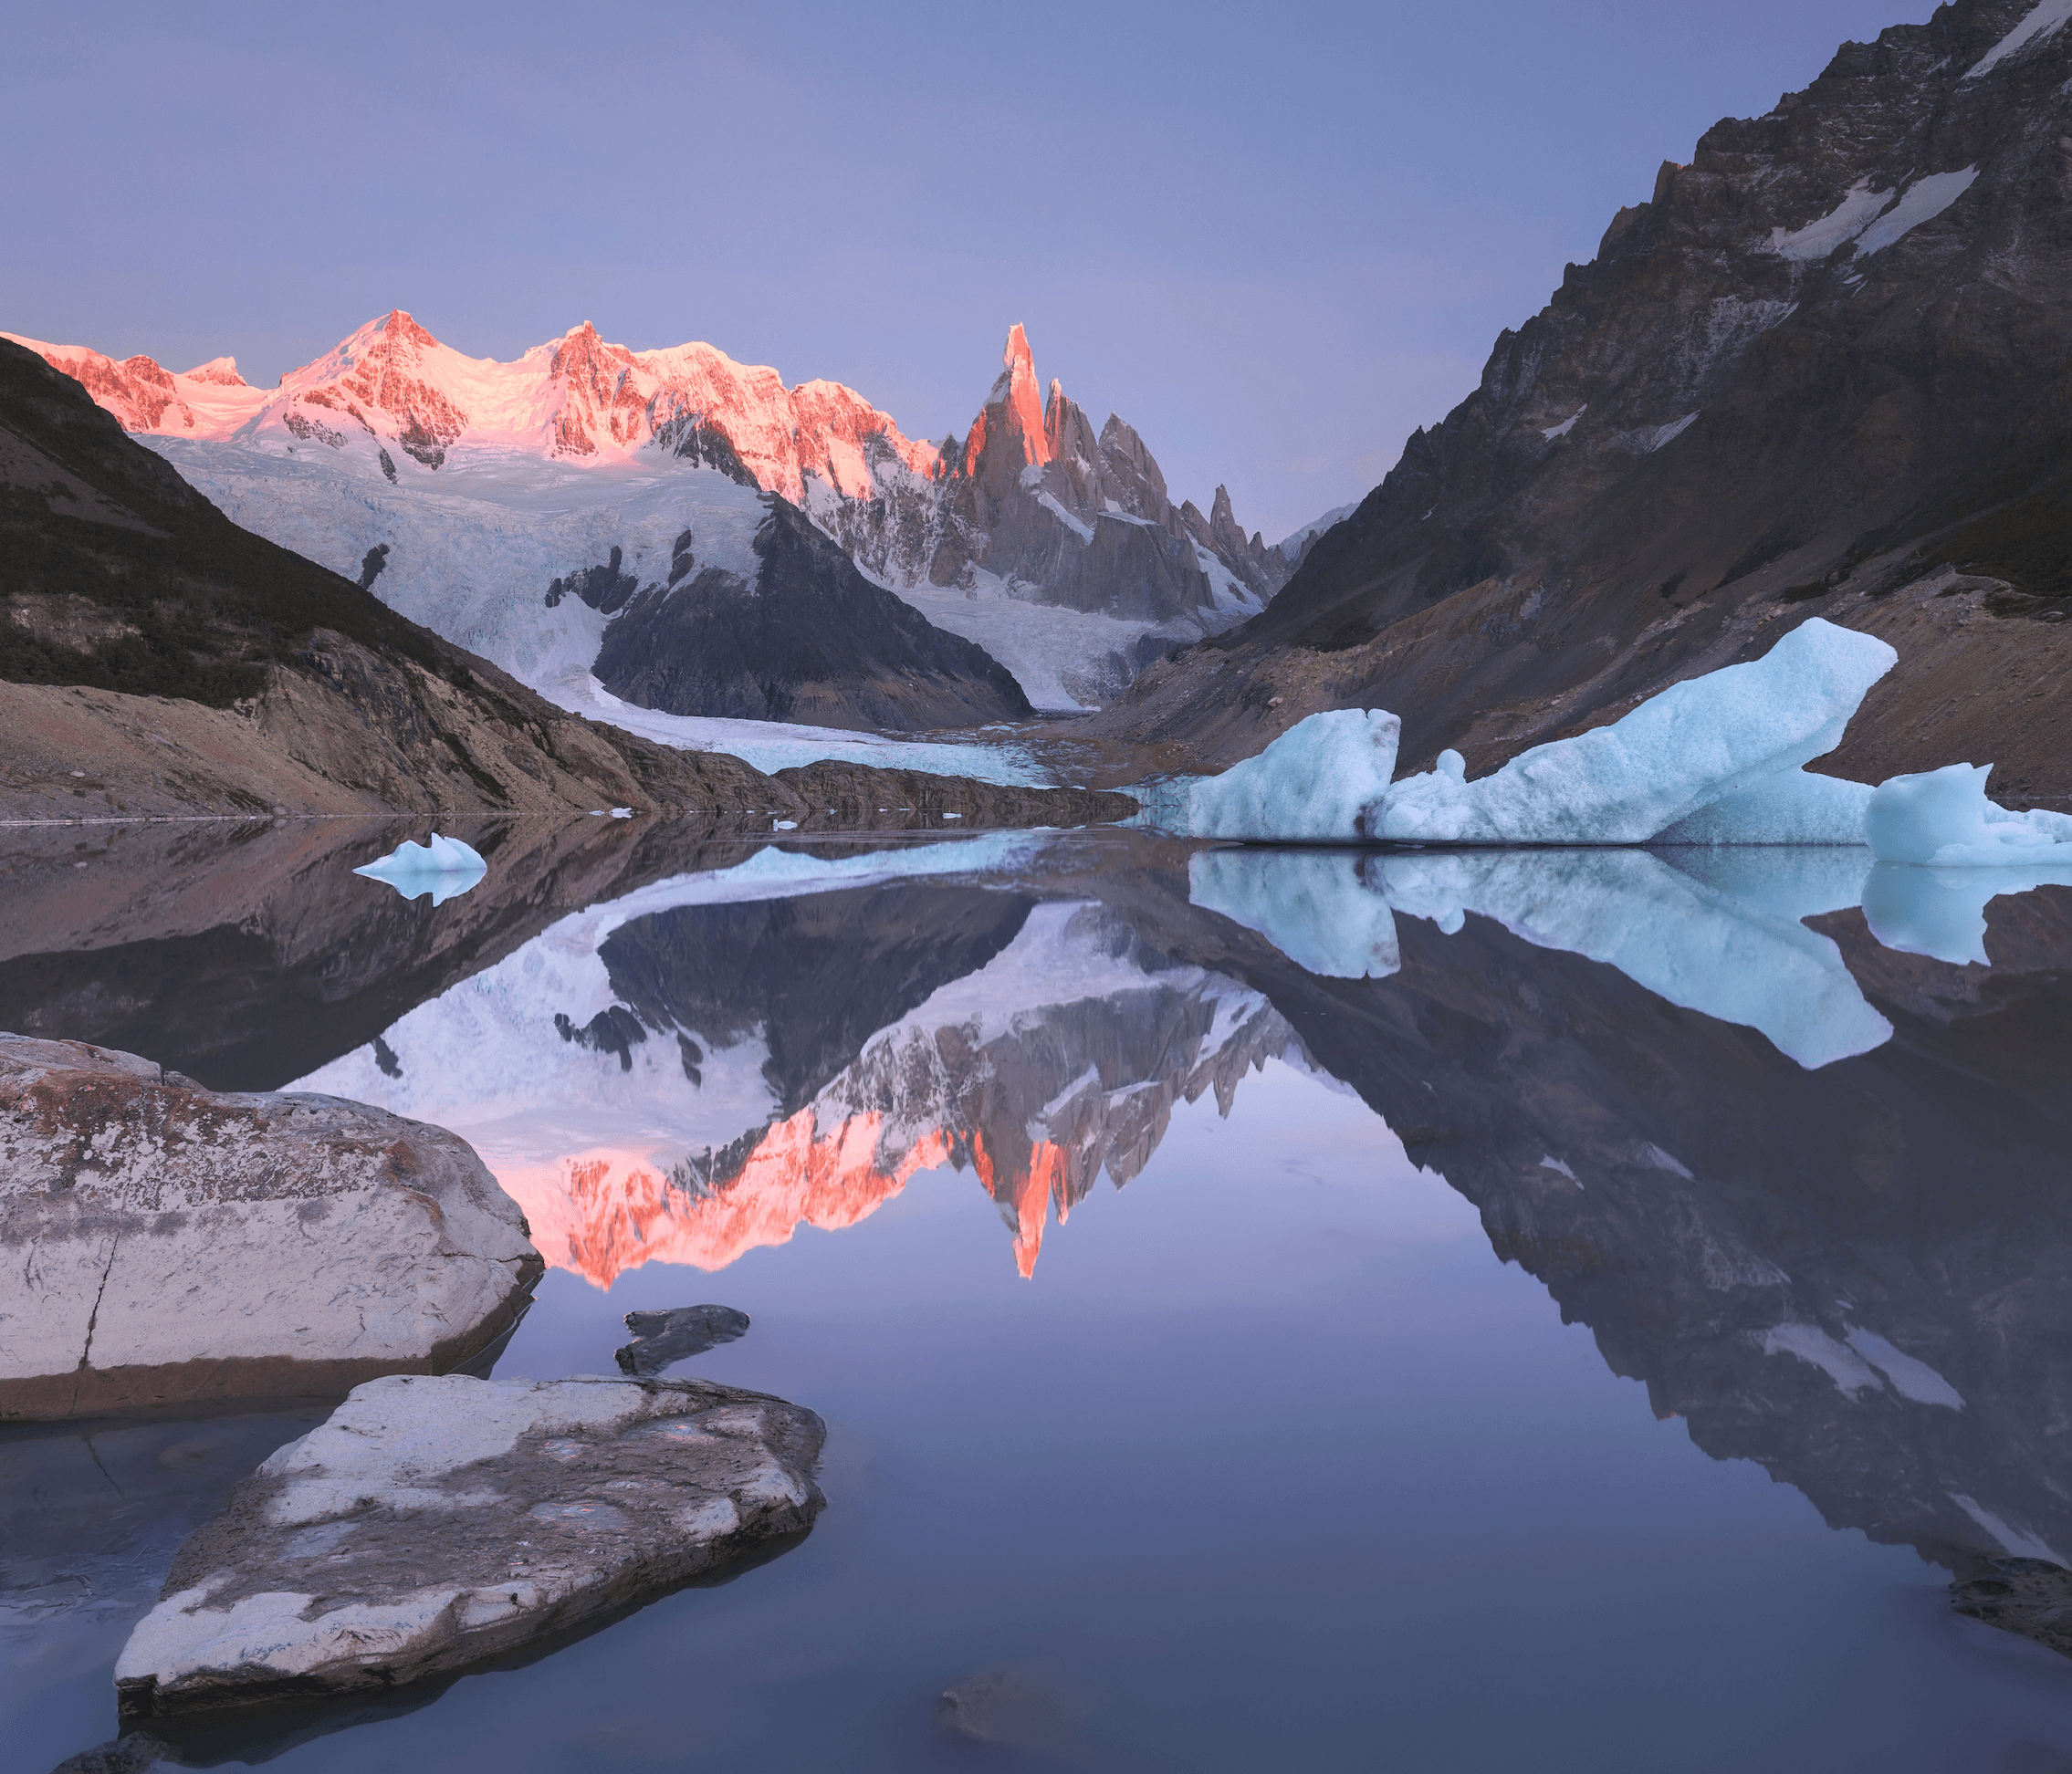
(797, 1062)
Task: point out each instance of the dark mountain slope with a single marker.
(809, 640)
(1827, 358)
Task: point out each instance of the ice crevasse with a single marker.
(1717, 759)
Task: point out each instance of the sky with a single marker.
(1275, 240)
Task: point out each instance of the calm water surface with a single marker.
(1570, 1314)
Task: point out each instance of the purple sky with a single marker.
(1275, 240)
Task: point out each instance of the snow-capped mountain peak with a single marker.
(222, 372)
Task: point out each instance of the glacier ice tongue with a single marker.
(1943, 818)
(1695, 743)
(1311, 904)
(444, 868)
(1314, 782)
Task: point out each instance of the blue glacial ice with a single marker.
(1315, 781)
(1733, 741)
(444, 868)
(1942, 818)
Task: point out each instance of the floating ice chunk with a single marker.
(445, 868)
(1941, 912)
(1942, 818)
(1793, 806)
(1695, 743)
(1314, 782)
(1311, 905)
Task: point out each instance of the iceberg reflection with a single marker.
(1720, 934)
(1941, 912)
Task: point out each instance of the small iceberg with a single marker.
(445, 868)
(1942, 818)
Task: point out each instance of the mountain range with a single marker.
(1820, 370)
(474, 496)
(156, 658)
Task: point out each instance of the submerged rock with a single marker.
(2029, 1596)
(433, 1522)
(661, 1338)
(176, 1244)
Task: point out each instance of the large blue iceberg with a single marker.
(1715, 760)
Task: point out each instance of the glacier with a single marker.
(1714, 759)
(444, 868)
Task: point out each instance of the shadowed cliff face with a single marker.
(809, 640)
(1823, 363)
(1855, 1275)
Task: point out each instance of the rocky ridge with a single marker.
(1822, 362)
(1035, 504)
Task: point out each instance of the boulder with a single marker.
(432, 1522)
(177, 1244)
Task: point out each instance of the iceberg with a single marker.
(1793, 806)
(1316, 781)
(1694, 745)
(1942, 818)
(1717, 759)
(444, 868)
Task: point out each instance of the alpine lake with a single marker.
(1271, 1309)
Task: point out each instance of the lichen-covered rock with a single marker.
(432, 1522)
(172, 1244)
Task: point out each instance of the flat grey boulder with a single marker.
(168, 1244)
(432, 1522)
